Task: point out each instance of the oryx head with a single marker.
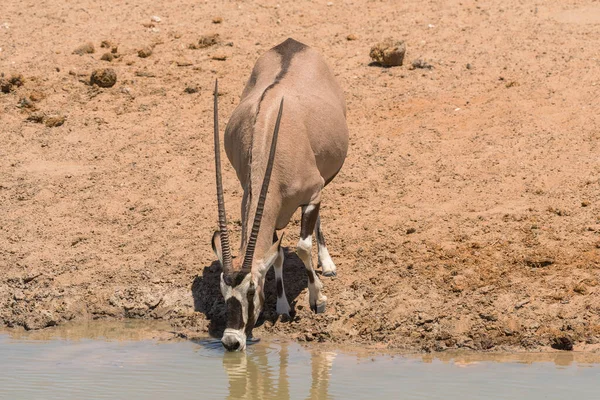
(242, 280)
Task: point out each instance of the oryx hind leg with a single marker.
(283, 307)
(316, 299)
(325, 261)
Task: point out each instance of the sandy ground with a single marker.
(467, 214)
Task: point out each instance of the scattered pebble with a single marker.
(469, 66)
(585, 203)
(36, 96)
(104, 77)
(144, 74)
(183, 62)
(217, 20)
(410, 230)
(155, 18)
(351, 37)
(420, 64)
(87, 48)
(145, 52)
(191, 89)
(54, 121)
(219, 57)
(107, 44)
(7, 85)
(107, 57)
(24, 102)
(205, 41)
(538, 263)
(388, 53)
(38, 118)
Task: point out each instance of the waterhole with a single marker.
(134, 361)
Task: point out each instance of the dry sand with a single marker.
(467, 214)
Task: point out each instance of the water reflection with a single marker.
(262, 372)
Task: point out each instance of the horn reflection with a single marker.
(262, 373)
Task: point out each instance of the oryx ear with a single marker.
(216, 246)
(271, 255)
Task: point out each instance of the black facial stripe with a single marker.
(279, 287)
(235, 320)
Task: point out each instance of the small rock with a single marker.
(7, 85)
(107, 57)
(351, 37)
(585, 203)
(54, 121)
(145, 52)
(219, 56)
(562, 343)
(183, 62)
(19, 295)
(145, 74)
(410, 230)
(420, 64)
(538, 263)
(469, 66)
(206, 41)
(107, 44)
(191, 89)
(155, 18)
(217, 20)
(38, 118)
(36, 96)
(24, 102)
(388, 53)
(87, 48)
(104, 77)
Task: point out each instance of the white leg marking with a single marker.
(327, 265)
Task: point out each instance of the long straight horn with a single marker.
(225, 248)
(263, 196)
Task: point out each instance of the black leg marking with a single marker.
(275, 237)
(311, 276)
(309, 220)
(279, 287)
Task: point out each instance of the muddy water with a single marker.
(133, 361)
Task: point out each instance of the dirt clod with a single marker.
(420, 64)
(86, 48)
(389, 53)
(562, 343)
(219, 56)
(217, 20)
(145, 52)
(351, 37)
(206, 41)
(9, 84)
(107, 57)
(104, 77)
(53, 121)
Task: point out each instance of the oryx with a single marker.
(279, 173)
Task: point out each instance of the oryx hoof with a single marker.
(285, 317)
(330, 274)
(319, 308)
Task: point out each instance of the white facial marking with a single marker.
(305, 244)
